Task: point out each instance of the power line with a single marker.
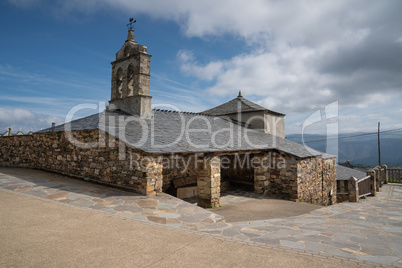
(356, 135)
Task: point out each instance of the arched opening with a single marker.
(130, 80)
(119, 83)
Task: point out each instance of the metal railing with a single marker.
(394, 175)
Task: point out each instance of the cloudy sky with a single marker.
(294, 57)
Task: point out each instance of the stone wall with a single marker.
(237, 168)
(275, 174)
(317, 180)
(282, 175)
(309, 173)
(99, 157)
(329, 181)
(177, 167)
(105, 159)
(207, 169)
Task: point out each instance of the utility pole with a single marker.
(379, 146)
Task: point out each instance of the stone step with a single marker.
(187, 192)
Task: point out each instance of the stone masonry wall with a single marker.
(207, 170)
(317, 180)
(108, 162)
(237, 168)
(178, 167)
(282, 175)
(309, 174)
(329, 178)
(276, 176)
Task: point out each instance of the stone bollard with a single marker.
(371, 173)
(353, 189)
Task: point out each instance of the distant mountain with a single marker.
(361, 150)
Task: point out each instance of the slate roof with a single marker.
(205, 133)
(236, 105)
(345, 173)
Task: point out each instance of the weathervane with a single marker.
(131, 24)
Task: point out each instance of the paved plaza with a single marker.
(365, 233)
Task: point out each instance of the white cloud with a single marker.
(22, 118)
(300, 54)
(190, 67)
(185, 56)
(287, 20)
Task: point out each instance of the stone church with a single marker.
(132, 146)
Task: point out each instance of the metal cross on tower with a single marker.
(131, 24)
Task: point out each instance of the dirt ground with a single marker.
(263, 209)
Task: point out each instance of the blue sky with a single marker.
(294, 57)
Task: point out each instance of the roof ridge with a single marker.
(180, 112)
(233, 106)
(247, 102)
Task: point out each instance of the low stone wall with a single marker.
(99, 157)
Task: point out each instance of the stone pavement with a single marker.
(368, 232)
(36, 232)
(163, 209)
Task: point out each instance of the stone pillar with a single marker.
(209, 182)
(353, 189)
(385, 170)
(373, 184)
(154, 177)
(261, 174)
(377, 178)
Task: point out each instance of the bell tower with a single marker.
(131, 78)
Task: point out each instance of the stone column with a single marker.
(373, 186)
(353, 189)
(261, 174)
(209, 182)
